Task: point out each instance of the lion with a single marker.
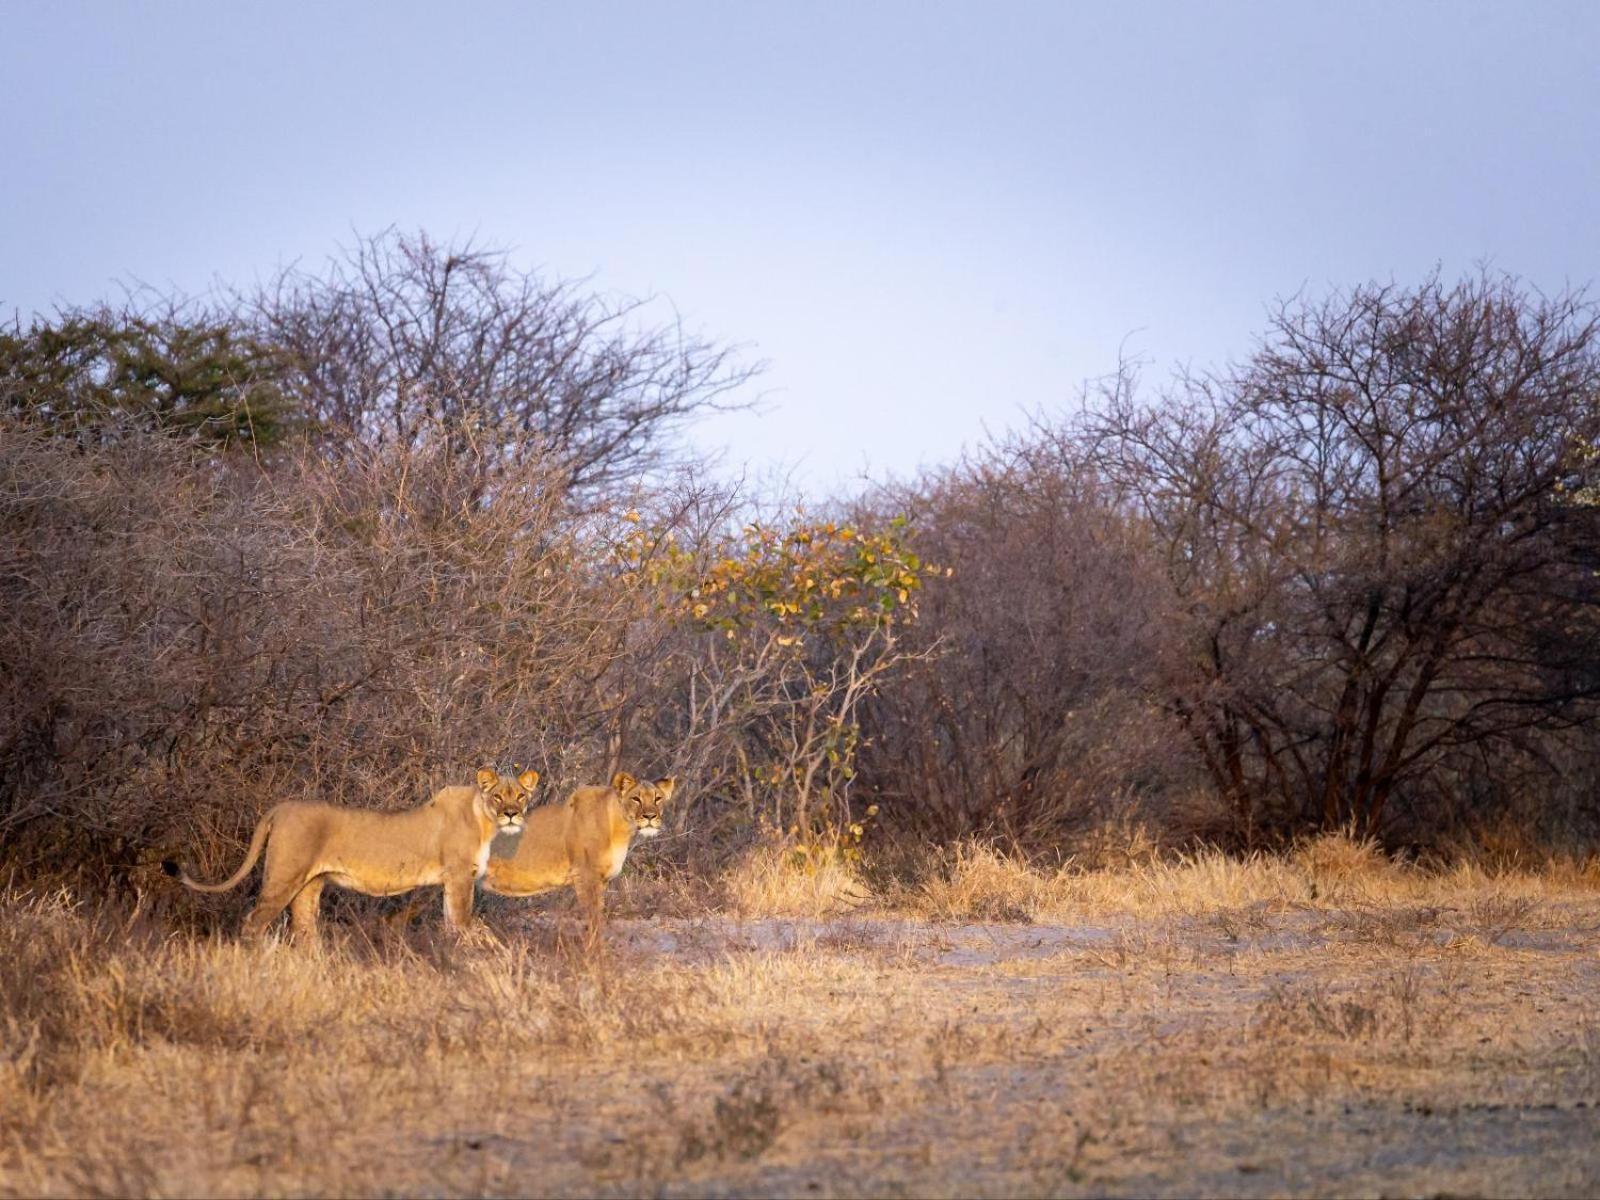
(582, 843)
(445, 841)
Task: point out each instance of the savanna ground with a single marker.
(1322, 1023)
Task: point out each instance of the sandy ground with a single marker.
(1270, 1050)
(1348, 1052)
(1336, 1053)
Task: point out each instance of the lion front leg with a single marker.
(458, 902)
(591, 890)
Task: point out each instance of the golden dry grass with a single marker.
(781, 881)
(972, 881)
(1323, 1023)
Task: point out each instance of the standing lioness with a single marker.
(445, 841)
(583, 842)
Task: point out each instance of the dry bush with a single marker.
(1348, 582)
(194, 639)
(1131, 644)
(346, 537)
(1031, 719)
(779, 632)
(199, 637)
(1378, 535)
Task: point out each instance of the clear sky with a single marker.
(928, 217)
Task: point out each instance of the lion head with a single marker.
(643, 801)
(506, 797)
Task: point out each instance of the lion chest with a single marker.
(615, 856)
(619, 837)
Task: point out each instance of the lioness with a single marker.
(445, 841)
(582, 843)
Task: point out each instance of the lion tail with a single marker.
(257, 841)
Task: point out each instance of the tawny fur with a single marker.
(581, 843)
(443, 842)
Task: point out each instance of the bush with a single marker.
(193, 639)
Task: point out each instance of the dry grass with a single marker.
(1328, 1022)
(973, 881)
(783, 881)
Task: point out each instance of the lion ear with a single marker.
(486, 778)
(667, 785)
(622, 781)
(529, 779)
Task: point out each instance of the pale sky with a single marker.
(929, 218)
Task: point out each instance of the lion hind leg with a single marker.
(279, 888)
(268, 905)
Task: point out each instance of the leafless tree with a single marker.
(399, 335)
(1369, 530)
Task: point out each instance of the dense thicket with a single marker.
(355, 533)
(1033, 708)
(1349, 583)
(187, 639)
(1377, 532)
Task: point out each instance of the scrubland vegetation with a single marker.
(1319, 1022)
(1192, 791)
